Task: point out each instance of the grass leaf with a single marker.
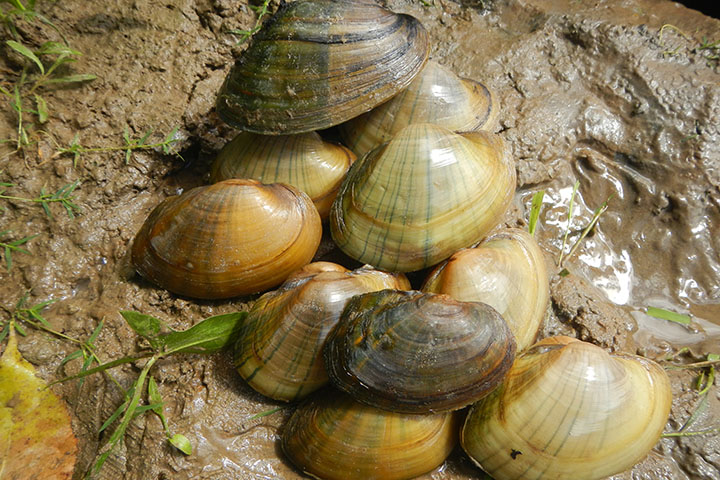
(80, 77)
(535, 211)
(208, 336)
(567, 229)
(144, 325)
(668, 315)
(41, 108)
(26, 52)
(181, 442)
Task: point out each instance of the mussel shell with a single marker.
(335, 438)
(507, 271)
(418, 352)
(436, 96)
(421, 197)
(279, 347)
(304, 161)
(318, 63)
(223, 240)
(569, 410)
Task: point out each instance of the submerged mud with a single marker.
(603, 93)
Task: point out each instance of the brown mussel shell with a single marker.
(318, 63)
(304, 161)
(333, 437)
(435, 96)
(417, 352)
(279, 347)
(223, 240)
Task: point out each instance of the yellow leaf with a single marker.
(36, 439)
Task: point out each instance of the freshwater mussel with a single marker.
(305, 161)
(223, 240)
(424, 195)
(568, 410)
(318, 63)
(438, 96)
(415, 352)
(333, 437)
(279, 347)
(507, 271)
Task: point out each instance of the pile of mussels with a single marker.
(402, 362)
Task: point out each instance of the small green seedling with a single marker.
(166, 145)
(8, 247)
(537, 201)
(261, 11)
(208, 336)
(63, 196)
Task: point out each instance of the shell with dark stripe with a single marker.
(279, 347)
(318, 63)
(417, 352)
(223, 240)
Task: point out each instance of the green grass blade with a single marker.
(80, 77)
(567, 229)
(668, 315)
(535, 211)
(26, 52)
(42, 108)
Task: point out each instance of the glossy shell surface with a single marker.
(279, 347)
(223, 240)
(333, 437)
(569, 410)
(507, 271)
(421, 197)
(418, 352)
(304, 161)
(435, 96)
(318, 63)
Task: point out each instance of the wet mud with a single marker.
(602, 93)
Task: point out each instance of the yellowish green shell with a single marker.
(569, 411)
(426, 194)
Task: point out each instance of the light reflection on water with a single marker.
(610, 269)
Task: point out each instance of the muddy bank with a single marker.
(601, 93)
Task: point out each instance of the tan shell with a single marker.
(279, 347)
(304, 161)
(568, 410)
(223, 240)
(335, 438)
(421, 197)
(507, 271)
(436, 96)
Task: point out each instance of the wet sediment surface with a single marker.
(603, 93)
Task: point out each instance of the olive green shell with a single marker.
(318, 63)
(332, 437)
(279, 347)
(421, 197)
(417, 352)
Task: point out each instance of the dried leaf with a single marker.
(36, 439)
